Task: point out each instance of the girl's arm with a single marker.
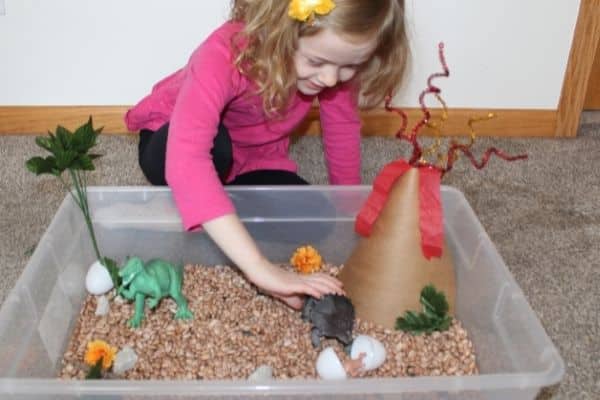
(210, 83)
(340, 119)
(231, 236)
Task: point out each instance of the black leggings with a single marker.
(152, 153)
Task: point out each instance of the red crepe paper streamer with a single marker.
(431, 219)
(430, 206)
(378, 197)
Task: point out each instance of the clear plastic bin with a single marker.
(515, 356)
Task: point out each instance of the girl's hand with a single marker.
(232, 237)
(290, 287)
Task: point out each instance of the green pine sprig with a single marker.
(434, 316)
(69, 151)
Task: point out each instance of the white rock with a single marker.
(373, 349)
(261, 374)
(97, 280)
(124, 360)
(329, 366)
(102, 306)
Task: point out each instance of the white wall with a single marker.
(502, 54)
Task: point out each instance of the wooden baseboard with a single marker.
(37, 120)
(507, 123)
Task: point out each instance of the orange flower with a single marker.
(98, 349)
(306, 260)
(304, 10)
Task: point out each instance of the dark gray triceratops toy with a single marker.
(331, 316)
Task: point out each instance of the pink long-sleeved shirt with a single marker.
(210, 89)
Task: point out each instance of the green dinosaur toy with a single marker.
(156, 279)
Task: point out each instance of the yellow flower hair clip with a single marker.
(305, 10)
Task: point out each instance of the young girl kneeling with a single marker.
(226, 117)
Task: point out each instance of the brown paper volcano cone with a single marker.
(386, 271)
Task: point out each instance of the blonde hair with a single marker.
(270, 39)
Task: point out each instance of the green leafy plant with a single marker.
(434, 316)
(70, 152)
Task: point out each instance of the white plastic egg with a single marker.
(329, 366)
(97, 280)
(373, 349)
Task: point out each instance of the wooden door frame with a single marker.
(579, 69)
(592, 98)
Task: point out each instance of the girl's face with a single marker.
(326, 59)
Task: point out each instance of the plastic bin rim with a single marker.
(306, 386)
(243, 188)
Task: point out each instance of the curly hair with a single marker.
(270, 39)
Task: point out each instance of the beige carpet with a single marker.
(543, 214)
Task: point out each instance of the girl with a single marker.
(226, 117)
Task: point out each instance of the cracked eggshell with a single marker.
(373, 348)
(329, 366)
(97, 280)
